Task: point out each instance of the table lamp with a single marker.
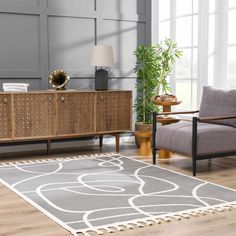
(102, 56)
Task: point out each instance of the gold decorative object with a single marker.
(58, 79)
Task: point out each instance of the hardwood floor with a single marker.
(19, 218)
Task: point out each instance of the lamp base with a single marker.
(101, 80)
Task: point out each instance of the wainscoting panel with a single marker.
(124, 6)
(122, 35)
(38, 36)
(79, 83)
(19, 2)
(70, 41)
(82, 5)
(19, 42)
(35, 83)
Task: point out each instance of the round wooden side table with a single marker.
(165, 104)
(145, 142)
(165, 120)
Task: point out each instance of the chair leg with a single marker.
(154, 128)
(194, 145)
(154, 152)
(194, 166)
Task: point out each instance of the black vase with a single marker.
(101, 80)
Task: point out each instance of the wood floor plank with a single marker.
(18, 218)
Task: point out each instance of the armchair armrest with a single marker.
(177, 112)
(205, 119)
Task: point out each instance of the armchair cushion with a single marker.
(211, 138)
(216, 102)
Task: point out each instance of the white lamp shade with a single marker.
(102, 56)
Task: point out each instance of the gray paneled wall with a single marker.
(39, 36)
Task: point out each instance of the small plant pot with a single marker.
(139, 126)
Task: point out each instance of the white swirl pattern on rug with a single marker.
(88, 193)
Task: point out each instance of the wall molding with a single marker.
(41, 9)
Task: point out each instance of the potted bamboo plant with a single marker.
(146, 71)
(153, 65)
(167, 53)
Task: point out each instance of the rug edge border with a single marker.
(175, 172)
(149, 221)
(165, 217)
(38, 207)
(48, 160)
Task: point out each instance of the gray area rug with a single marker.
(111, 192)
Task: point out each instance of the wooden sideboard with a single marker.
(50, 115)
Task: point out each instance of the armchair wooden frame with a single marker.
(195, 120)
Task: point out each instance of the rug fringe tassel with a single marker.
(38, 161)
(157, 220)
(133, 223)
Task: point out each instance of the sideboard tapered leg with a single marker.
(100, 140)
(117, 142)
(48, 146)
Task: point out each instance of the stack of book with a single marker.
(15, 87)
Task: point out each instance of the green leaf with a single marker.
(153, 65)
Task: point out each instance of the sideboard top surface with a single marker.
(64, 91)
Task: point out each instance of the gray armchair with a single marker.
(211, 134)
